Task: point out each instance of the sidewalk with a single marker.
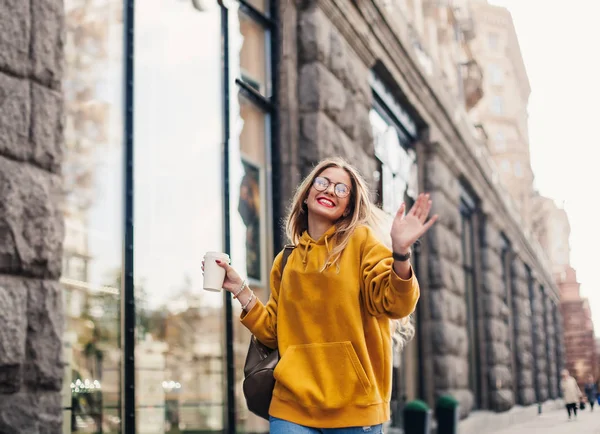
(556, 422)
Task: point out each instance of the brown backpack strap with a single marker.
(286, 254)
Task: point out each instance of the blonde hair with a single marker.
(362, 212)
(359, 206)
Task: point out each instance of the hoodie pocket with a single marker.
(326, 376)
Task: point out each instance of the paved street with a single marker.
(556, 423)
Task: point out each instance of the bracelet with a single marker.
(248, 302)
(401, 257)
(244, 285)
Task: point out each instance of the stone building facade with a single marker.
(489, 319)
(31, 223)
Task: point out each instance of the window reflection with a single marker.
(253, 56)
(398, 168)
(250, 211)
(92, 208)
(251, 249)
(260, 5)
(468, 240)
(178, 212)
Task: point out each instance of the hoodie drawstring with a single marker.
(307, 242)
(305, 253)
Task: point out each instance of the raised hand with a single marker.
(406, 229)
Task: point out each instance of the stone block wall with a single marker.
(522, 339)
(31, 221)
(447, 298)
(497, 312)
(334, 96)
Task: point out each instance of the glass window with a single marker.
(253, 58)
(178, 217)
(507, 276)
(518, 169)
(500, 141)
(505, 166)
(398, 169)
(250, 192)
(93, 213)
(493, 41)
(495, 74)
(535, 346)
(468, 240)
(260, 5)
(497, 105)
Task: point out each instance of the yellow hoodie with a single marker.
(333, 332)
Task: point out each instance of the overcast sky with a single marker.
(559, 42)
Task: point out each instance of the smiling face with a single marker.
(326, 204)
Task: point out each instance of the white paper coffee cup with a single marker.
(214, 275)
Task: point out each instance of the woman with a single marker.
(329, 314)
(591, 391)
(570, 391)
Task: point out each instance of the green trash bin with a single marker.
(417, 418)
(447, 415)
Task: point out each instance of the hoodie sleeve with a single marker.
(383, 291)
(261, 320)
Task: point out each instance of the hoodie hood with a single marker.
(306, 243)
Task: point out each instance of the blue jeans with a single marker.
(280, 426)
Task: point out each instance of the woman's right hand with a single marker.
(233, 281)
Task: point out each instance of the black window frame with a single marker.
(556, 316)
(267, 104)
(534, 326)
(508, 276)
(470, 238)
(547, 349)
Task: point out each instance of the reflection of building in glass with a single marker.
(92, 326)
(182, 353)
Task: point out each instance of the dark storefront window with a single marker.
(534, 326)
(93, 190)
(468, 241)
(396, 182)
(506, 257)
(548, 345)
(558, 344)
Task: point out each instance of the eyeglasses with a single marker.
(321, 183)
